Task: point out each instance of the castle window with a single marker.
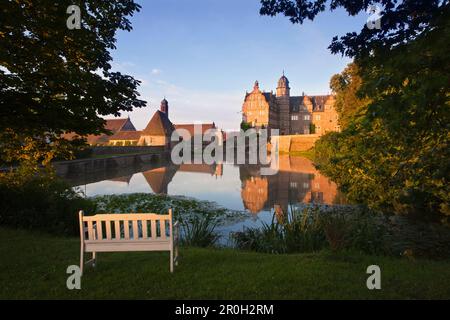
(294, 117)
(307, 117)
(318, 117)
(293, 184)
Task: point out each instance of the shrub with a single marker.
(199, 231)
(313, 229)
(300, 231)
(42, 203)
(82, 153)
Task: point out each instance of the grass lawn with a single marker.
(309, 154)
(33, 266)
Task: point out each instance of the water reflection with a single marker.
(236, 187)
(297, 181)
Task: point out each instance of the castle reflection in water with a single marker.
(297, 181)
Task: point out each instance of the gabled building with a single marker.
(114, 125)
(158, 131)
(125, 138)
(290, 114)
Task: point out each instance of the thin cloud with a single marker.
(189, 106)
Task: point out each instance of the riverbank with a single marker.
(36, 263)
(309, 154)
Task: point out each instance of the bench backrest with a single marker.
(126, 227)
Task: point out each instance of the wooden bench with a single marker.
(128, 232)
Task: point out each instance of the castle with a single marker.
(292, 115)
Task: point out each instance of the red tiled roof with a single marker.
(159, 125)
(90, 139)
(190, 127)
(115, 124)
(126, 135)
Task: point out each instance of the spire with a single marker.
(283, 86)
(256, 86)
(165, 107)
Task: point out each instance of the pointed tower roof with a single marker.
(283, 82)
(159, 125)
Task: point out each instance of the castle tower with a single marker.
(256, 86)
(283, 87)
(283, 97)
(165, 107)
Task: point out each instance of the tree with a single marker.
(394, 155)
(55, 80)
(345, 87)
(245, 125)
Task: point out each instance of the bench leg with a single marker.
(81, 260)
(171, 260)
(94, 259)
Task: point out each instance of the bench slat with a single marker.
(90, 231)
(162, 227)
(108, 230)
(144, 229)
(135, 230)
(99, 230)
(126, 228)
(117, 229)
(153, 227)
(122, 246)
(126, 216)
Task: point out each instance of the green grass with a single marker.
(33, 266)
(309, 154)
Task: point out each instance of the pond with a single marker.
(235, 187)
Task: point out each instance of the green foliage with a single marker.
(42, 203)
(345, 86)
(198, 231)
(245, 126)
(55, 80)
(312, 128)
(311, 230)
(394, 105)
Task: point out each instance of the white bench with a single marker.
(128, 232)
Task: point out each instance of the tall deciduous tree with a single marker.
(394, 156)
(345, 86)
(56, 79)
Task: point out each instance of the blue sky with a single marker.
(202, 55)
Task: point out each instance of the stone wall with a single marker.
(91, 165)
(294, 143)
(102, 150)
